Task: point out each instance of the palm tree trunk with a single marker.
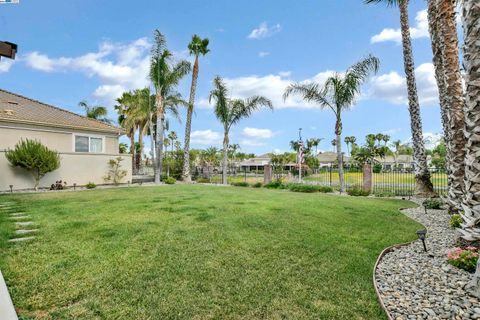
(141, 130)
(187, 177)
(159, 136)
(132, 151)
(225, 158)
(423, 184)
(338, 132)
(152, 145)
(471, 62)
(455, 100)
(437, 43)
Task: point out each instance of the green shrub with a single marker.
(203, 180)
(163, 177)
(34, 157)
(325, 189)
(170, 180)
(433, 203)
(274, 185)
(377, 168)
(90, 185)
(358, 192)
(240, 184)
(455, 221)
(384, 194)
(257, 185)
(464, 258)
(298, 187)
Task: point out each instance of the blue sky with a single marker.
(93, 50)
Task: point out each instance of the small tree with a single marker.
(34, 157)
(115, 174)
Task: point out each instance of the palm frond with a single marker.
(389, 3)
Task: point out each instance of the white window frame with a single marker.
(89, 136)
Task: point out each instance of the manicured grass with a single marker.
(200, 252)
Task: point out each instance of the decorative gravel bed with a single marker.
(418, 285)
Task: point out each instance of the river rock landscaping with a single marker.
(415, 284)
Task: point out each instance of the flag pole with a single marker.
(300, 155)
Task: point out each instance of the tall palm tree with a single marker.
(165, 77)
(314, 142)
(128, 122)
(230, 112)
(423, 183)
(397, 144)
(334, 144)
(95, 112)
(338, 94)
(471, 61)
(443, 33)
(196, 47)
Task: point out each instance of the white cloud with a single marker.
(252, 143)
(419, 31)
(263, 54)
(6, 64)
(257, 133)
(206, 137)
(118, 66)
(285, 74)
(392, 87)
(264, 31)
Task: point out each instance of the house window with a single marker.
(88, 144)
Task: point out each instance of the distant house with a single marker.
(258, 163)
(328, 158)
(400, 162)
(85, 145)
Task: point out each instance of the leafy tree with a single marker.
(196, 47)
(338, 94)
(115, 174)
(34, 157)
(231, 111)
(165, 77)
(424, 186)
(122, 147)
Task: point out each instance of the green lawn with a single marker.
(199, 252)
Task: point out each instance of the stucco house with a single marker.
(85, 145)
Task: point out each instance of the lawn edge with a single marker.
(379, 259)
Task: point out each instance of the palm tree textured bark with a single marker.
(159, 135)
(437, 43)
(423, 186)
(187, 177)
(471, 29)
(454, 98)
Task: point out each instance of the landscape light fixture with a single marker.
(8, 49)
(421, 235)
(74, 186)
(425, 208)
(11, 188)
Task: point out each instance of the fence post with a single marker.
(367, 177)
(267, 174)
(330, 175)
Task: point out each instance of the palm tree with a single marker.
(397, 144)
(196, 47)
(443, 33)
(423, 183)
(314, 142)
(471, 61)
(165, 77)
(95, 112)
(334, 144)
(338, 93)
(349, 140)
(128, 122)
(231, 111)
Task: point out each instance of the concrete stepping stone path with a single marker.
(22, 223)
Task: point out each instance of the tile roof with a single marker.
(19, 109)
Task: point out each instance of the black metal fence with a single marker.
(388, 182)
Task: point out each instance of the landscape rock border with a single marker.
(412, 284)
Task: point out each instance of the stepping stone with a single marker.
(18, 217)
(22, 224)
(21, 239)
(23, 231)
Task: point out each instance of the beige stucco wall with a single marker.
(79, 168)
